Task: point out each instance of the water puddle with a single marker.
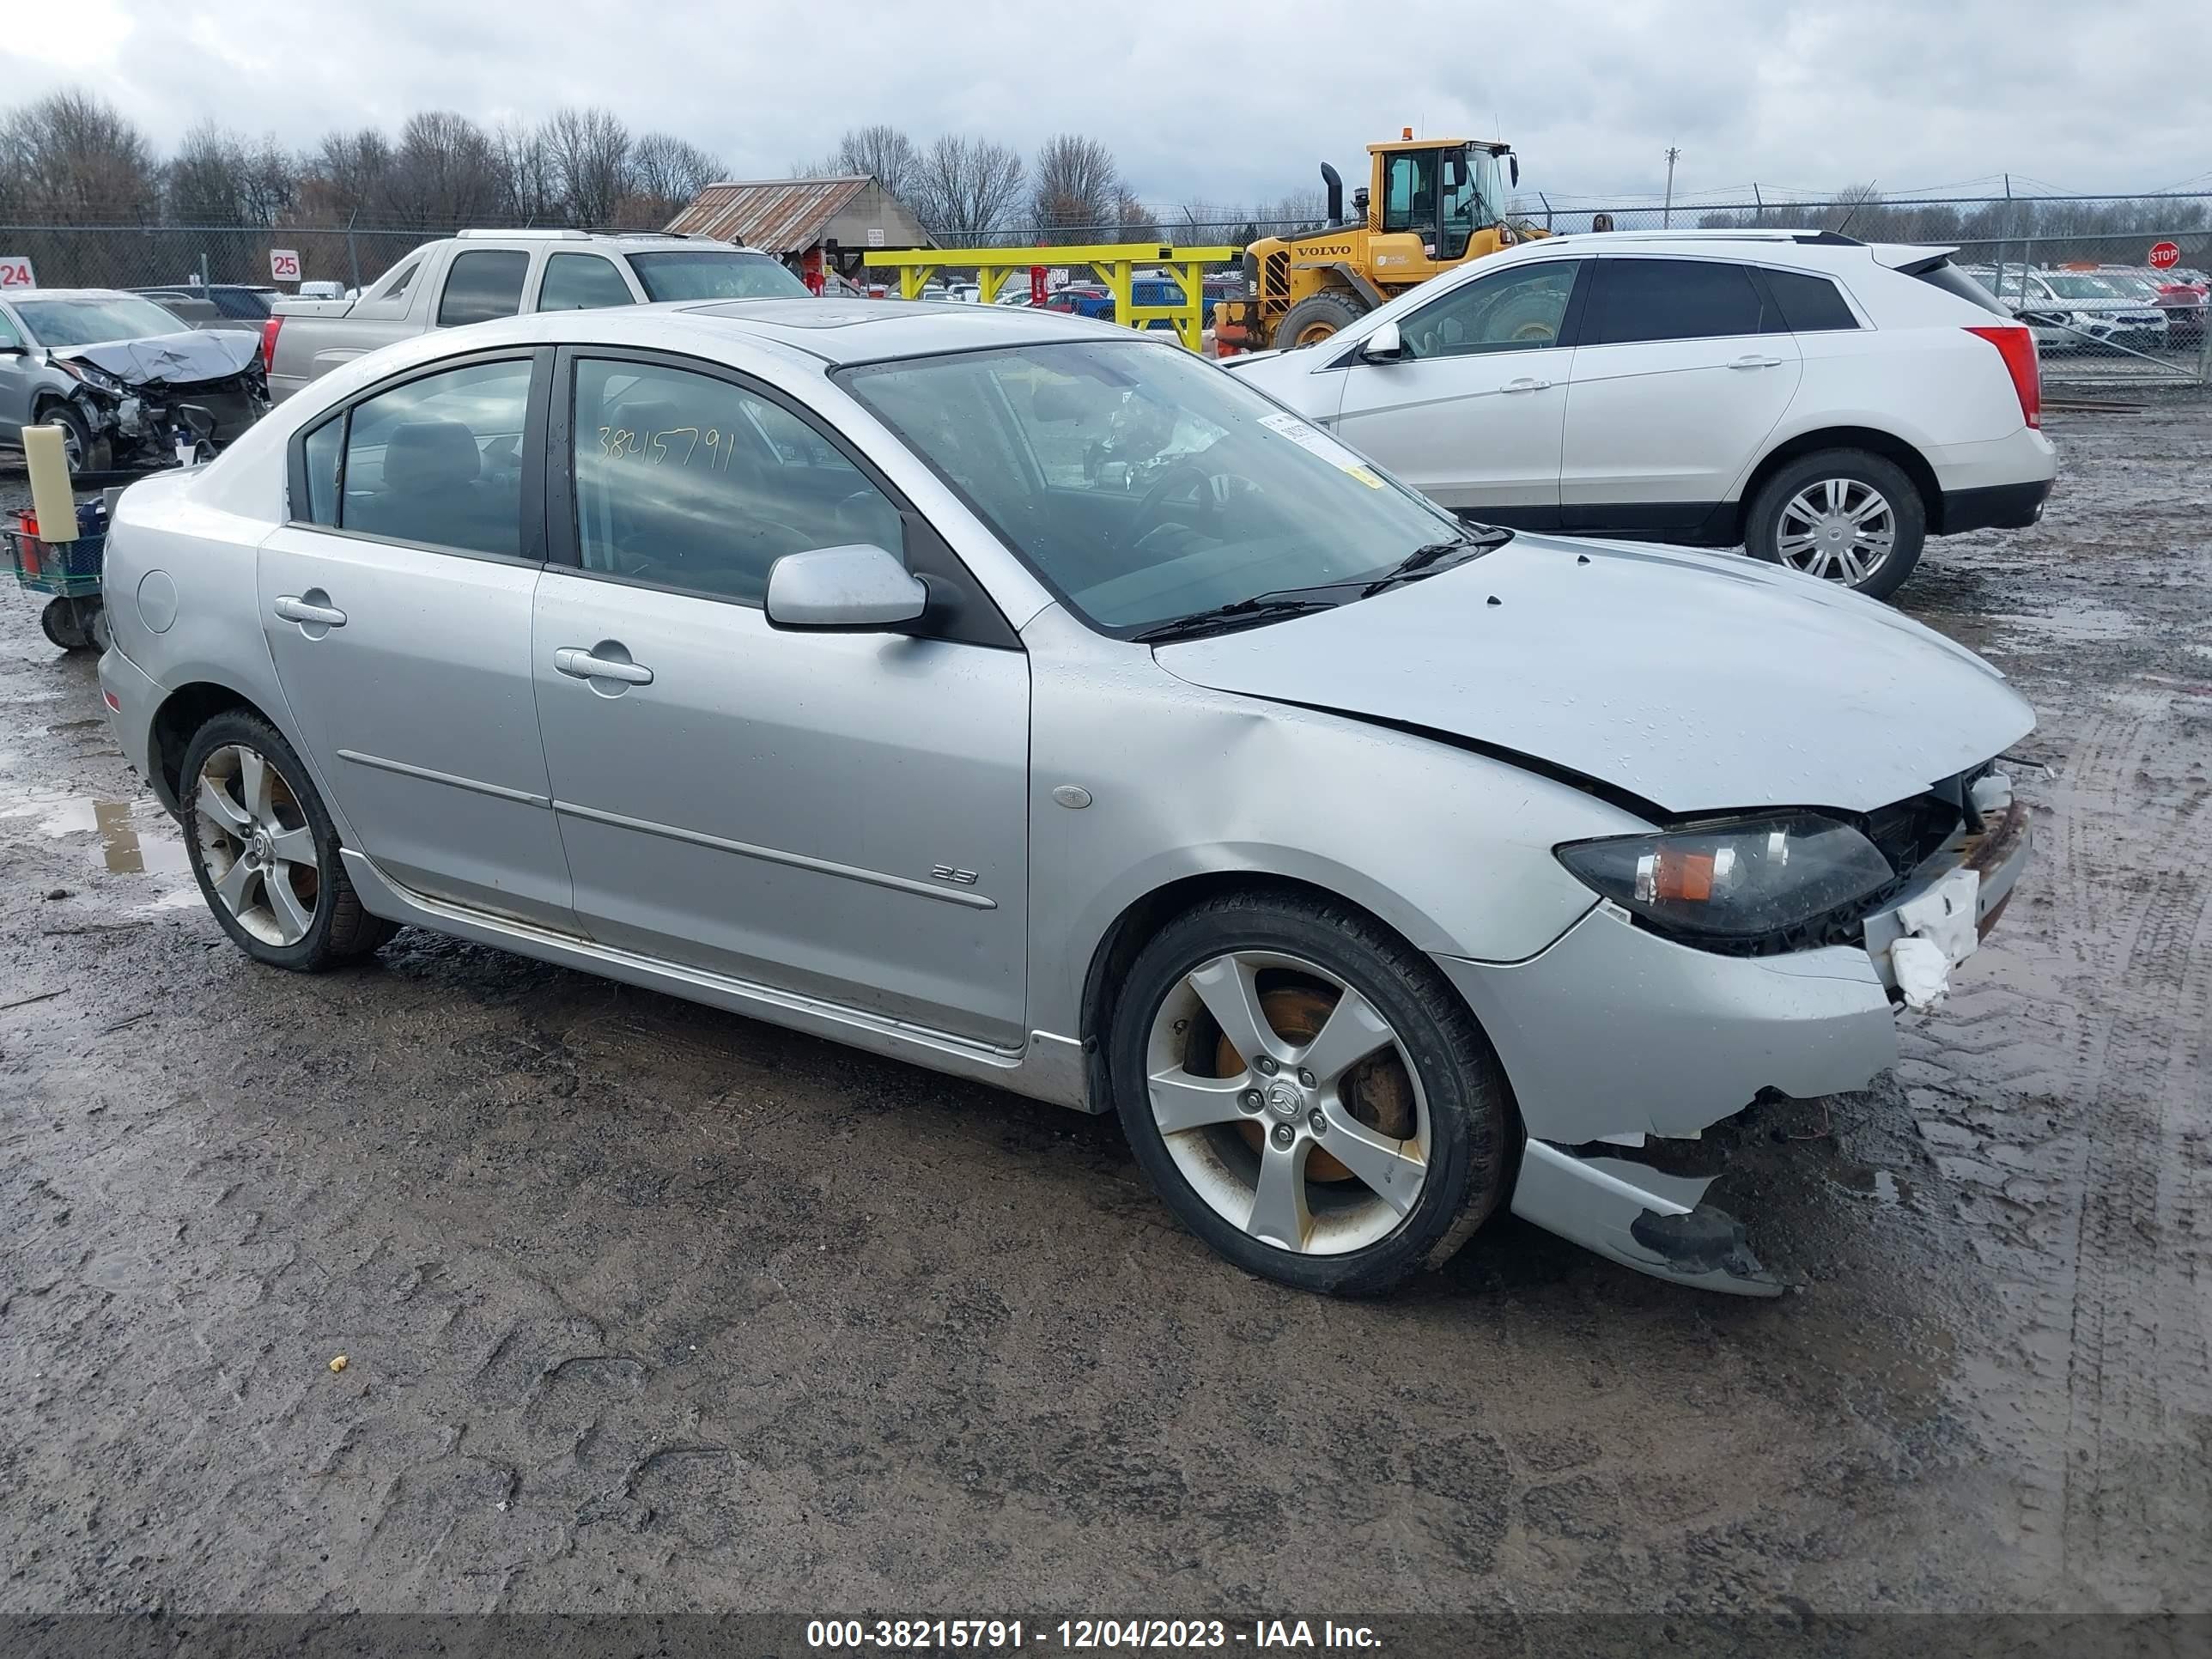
(134, 838)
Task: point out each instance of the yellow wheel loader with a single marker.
(1430, 205)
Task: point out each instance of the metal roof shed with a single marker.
(788, 216)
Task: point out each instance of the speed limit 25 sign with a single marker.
(284, 265)
(15, 271)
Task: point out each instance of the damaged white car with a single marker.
(1027, 699)
(129, 385)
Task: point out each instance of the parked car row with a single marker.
(2094, 308)
(1028, 698)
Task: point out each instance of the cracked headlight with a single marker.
(99, 378)
(1737, 881)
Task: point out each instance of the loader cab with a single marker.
(1445, 192)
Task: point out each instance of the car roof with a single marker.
(852, 331)
(73, 294)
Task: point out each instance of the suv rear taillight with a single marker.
(2016, 345)
(269, 344)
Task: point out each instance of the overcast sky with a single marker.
(1217, 101)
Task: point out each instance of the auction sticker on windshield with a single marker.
(1313, 439)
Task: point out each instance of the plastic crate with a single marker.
(65, 568)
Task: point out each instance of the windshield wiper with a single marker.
(1429, 557)
(1240, 613)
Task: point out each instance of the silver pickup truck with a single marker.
(482, 274)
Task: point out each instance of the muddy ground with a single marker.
(648, 1307)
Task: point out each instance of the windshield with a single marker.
(713, 274)
(2127, 283)
(2068, 286)
(1143, 484)
(92, 322)
(1473, 199)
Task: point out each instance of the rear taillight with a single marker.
(2016, 345)
(269, 344)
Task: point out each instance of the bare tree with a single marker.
(591, 150)
(1133, 220)
(665, 173)
(883, 152)
(70, 155)
(529, 176)
(347, 174)
(965, 188)
(1075, 185)
(444, 173)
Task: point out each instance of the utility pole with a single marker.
(1667, 221)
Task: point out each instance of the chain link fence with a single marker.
(2102, 314)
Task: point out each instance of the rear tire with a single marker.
(1380, 1139)
(265, 852)
(1316, 317)
(1848, 516)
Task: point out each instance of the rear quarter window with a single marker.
(484, 283)
(1808, 304)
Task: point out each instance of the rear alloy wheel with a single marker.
(1845, 515)
(1306, 1094)
(264, 851)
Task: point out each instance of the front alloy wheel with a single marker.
(1307, 1092)
(1286, 1102)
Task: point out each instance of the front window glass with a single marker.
(708, 273)
(9, 336)
(688, 481)
(92, 322)
(1519, 310)
(439, 460)
(1144, 484)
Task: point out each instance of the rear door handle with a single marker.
(579, 664)
(1756, 362)
(1525, 384)
(292, 608)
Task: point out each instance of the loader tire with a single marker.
(1317, 316)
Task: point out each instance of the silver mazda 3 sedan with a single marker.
(1027, 699)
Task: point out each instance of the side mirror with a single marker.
(859, 588)
(1382, 346)
(1513, 168)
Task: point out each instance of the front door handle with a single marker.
(292, 608)
(579, 664)
(1756, 362)
(1526, 383)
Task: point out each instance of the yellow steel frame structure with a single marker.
(1115, 262)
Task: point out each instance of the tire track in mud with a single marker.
(2115, 1348)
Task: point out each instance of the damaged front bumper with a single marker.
(1613, 1035)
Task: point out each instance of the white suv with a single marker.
(1826, 403)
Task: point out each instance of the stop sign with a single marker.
(2164, 256)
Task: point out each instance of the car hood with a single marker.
(170, 359)
(1692, 682)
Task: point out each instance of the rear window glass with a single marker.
(243, 303)
(483, 285)
(713, 274)
(1640, 300)
(1809, 304)
(1947, 277)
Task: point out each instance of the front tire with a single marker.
(1307, 1094)
(1848, 516)
(264, 851)
(1316, 317)
(84, 452)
